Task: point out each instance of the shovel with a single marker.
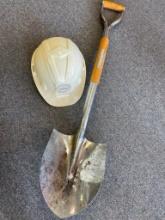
(73, 167)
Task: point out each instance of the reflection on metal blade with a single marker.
(69, 199)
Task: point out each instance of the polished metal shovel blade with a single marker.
(68, 199)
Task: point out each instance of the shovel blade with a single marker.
(65, 199)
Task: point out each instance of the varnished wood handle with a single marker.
(113, 6)
(100, 60)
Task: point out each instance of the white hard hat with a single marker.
(59, 71)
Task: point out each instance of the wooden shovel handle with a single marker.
(100, 60)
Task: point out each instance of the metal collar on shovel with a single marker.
(73, 167)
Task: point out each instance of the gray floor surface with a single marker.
(129, 113)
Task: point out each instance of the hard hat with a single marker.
(59, 71)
